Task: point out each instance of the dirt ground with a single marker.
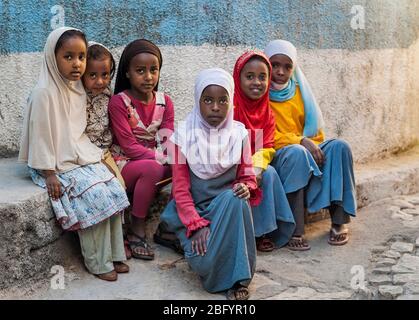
(353, 271)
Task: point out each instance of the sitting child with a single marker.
(100, 69)
(85, 196)
(213, 178)
(316, 173)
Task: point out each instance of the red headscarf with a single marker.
(254, 114)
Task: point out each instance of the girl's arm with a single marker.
(246, 174)
(122, 131)
(182, 195)
(168, 121)
(263, 157)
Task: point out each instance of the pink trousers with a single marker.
(140, 178)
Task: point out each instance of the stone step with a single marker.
(397, 175)
(32, 241)
(27, 226)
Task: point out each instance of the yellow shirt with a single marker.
(289, 122)
(263, 157)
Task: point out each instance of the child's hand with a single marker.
(53, 185)
(316, 152)
(241, 190)
(62, 221)
(199, 241)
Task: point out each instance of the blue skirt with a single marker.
(231, 248)
(273, 215)
(332, 183)
(90, 194)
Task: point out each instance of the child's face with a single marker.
(282, 68)
(254, 79)
(71, 58)
(97, 76)
(143, 73)
(214, 105)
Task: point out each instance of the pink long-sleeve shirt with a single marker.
(123, 135)
(182, 185)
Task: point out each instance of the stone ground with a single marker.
(383, 254)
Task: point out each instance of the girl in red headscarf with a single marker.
(273, 219)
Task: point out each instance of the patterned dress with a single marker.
(91, 194)
(97, 128)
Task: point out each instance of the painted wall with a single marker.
(365, 79)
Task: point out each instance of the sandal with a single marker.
(238, 293)
(173, 243)
(264, 244)
(338, 238)
(142, 243)
(298, 244)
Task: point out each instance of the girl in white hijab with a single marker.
(195, 136)
(85, 196)
(213, 178)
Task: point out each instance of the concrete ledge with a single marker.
(27, 226)
(32, 242)
(397, 175)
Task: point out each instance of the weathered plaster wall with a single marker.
(365, 80)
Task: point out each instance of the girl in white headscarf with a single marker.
(85, 196)
(314, 172)
(213, 178)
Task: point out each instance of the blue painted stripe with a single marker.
(24, 25)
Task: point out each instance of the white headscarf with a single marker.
(211, 151)
(53, 135)
(94, 43)
(313, 118)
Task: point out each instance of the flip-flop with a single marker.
(301, 240)
(264, 244)
(141, 242)
(333, 235)
(231, 293)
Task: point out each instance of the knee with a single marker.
(228, 196)
(297, 153)
(297, 150)
(341, 145)
(154, 171)
(270, 174)
(270, 170)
